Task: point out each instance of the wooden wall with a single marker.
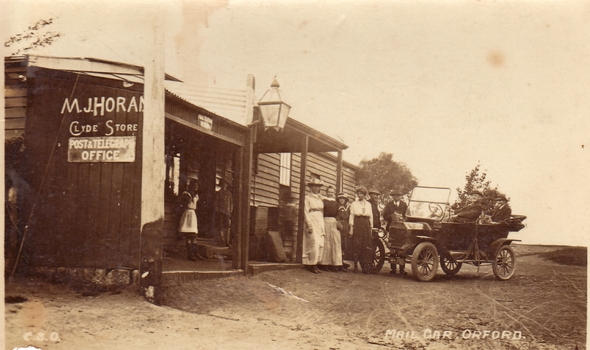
(266, 182)
(15, 98)
(87, 213)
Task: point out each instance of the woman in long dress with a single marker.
(187, 225)
(361, 222)
(313, 239)
(332, 254)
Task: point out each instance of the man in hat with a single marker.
(470, 212)
(374, 200)
(395, 210)
(223, 210)
(502, 210)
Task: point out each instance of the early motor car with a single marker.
(427, 238)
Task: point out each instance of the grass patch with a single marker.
(567, 256)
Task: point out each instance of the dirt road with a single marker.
(542, 307)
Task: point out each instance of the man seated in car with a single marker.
(471, 211)
(502, 210)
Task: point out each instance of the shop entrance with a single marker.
(192, 155)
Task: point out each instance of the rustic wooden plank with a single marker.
(14, 124)
(15, 112)
(58, 187)
(12, 134)
(94, 238)
(10, 92)
(80, 232)
(15, 69)
(115, 216)
(70, 215)
(108, 239)
(15, 102)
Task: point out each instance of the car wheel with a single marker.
(504, 263)
(424, 261)
(449, 265)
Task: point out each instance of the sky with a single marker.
(443, 85)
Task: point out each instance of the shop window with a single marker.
(285, 169)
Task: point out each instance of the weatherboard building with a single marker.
(77, 154)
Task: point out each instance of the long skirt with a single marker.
(344, 240)
(362, 240)
(313, 243)
(332, 254)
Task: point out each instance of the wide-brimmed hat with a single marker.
(395, 193)
(374, 191)
(361, 189)
(476, 192)
(315, 182)
(501, 197)
(342, 195)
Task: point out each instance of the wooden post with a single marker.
(153, 171)
(302, 185)
(339, 173)
(246, 191)
(237, 226)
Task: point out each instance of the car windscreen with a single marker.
(428, 202)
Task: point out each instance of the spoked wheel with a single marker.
(378, 256)
(504, 263)
(449, 265)
(424, 261)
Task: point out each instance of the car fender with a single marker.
(493, 248)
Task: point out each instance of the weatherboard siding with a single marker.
(15, 98)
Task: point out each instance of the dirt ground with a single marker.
(543, 306)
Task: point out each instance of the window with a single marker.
(172, 172)
(285, 169)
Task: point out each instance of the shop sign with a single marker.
(111, 149)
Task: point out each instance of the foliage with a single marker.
(34, 37)
(384, 174)
(476, 180)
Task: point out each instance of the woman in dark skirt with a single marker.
(361, 222)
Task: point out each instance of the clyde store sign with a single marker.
(103, 129)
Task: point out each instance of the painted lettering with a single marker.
(121, 104)
(70, 107)
(98, 105)
(110, 104)
(109, 126)
(74, 129)
(132, 105)
(88, 108)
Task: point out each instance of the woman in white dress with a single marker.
(313, 238)
(187, 225)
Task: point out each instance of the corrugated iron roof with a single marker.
(233, 104)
